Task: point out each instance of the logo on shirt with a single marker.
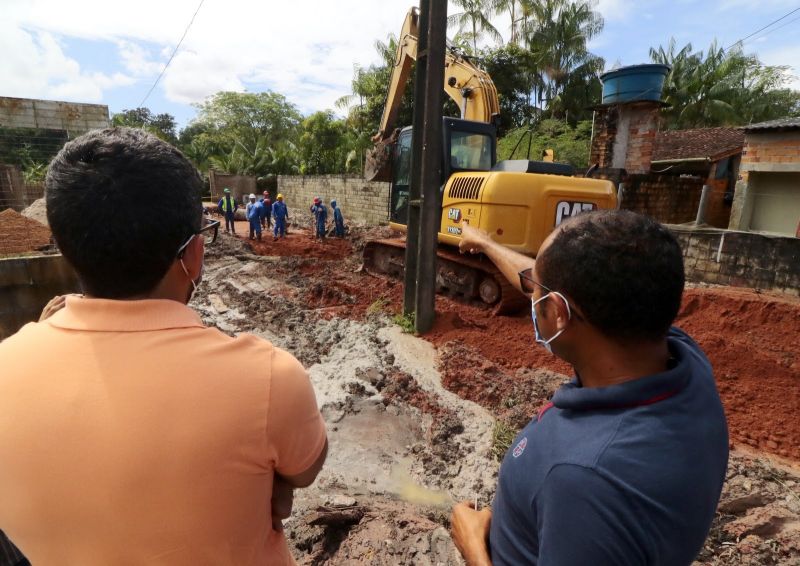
(520, 447)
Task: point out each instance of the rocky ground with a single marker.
(416, 424)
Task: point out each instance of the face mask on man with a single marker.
(194, 282)
(537, 335)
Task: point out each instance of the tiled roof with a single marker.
(779, 124)
(700, 143)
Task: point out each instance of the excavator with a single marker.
(518, 202)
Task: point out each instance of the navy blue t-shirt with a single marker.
(626, 474)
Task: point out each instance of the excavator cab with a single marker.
(467, 146)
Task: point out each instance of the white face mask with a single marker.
(537, 335)
(194, 282)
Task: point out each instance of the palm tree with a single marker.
(510, 6)
(475, 17)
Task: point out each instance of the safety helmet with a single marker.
(333, 202)
(280, 196)
(252, 196)
(317, 200)
(226, 190)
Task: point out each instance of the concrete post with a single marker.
(701, 209)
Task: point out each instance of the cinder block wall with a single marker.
(741, 259)
(362, 202)
(74, 118)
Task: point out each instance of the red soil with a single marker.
(298, 243)
(20, 234)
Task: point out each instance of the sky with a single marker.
(111, 52)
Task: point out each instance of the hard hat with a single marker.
(317, 200)
(226, 190)
(252, 196)
(333, 202)
(280, 196)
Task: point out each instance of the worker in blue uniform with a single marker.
(338, 220)
(254, 217)
(227, 206)
(280, 215)
(320, 212)
(266, 211)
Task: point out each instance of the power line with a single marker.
(149, 92)
(763, 28)
(793, 20)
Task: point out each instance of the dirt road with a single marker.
(415, 423)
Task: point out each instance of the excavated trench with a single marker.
(414, 425)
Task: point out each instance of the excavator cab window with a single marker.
(470, 152)
(402, 178)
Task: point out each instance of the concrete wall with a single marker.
(765, 155)
(26, 286)
(240, 185)
(667, 198)
(362, 202)
(741, 259)
(74, 118)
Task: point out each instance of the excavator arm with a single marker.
(468, 86)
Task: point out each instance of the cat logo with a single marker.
(454, 214)
(566, 209)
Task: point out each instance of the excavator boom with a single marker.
(468, 86)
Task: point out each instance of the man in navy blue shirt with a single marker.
(625, 465)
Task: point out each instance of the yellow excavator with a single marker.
(518, 202)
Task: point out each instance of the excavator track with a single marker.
(470, 278)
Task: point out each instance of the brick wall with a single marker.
(741, 259)
(74, 118)
(624, 136)
(667, 198)
(362, 202)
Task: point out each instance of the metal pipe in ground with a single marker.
(418, 122)
(703, 207)
(431, 175)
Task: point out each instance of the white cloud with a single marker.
(616, 9)
(785, 56)
(34, 65)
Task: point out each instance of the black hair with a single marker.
(120, 202)
(624, 271)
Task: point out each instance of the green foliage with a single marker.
(161, 125)
(322, 145)
(722, 88)
(502, 437)
(406, 321)
(474, 21)
(570, 144)
(378, 306)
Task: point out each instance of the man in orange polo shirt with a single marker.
(129, 432)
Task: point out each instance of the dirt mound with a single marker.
(38, 211)
(298, 243)
(19, 234)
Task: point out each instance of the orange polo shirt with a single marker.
(132, 434)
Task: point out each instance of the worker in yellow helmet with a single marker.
(280, 214)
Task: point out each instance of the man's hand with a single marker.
(56, 304)
(473, 240)
(469, 529)
(282, 499)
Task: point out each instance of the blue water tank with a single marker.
(637, 82)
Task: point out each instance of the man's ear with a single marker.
(561, 311)
(193, 257)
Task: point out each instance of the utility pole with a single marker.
(418, 122)
(431, 164)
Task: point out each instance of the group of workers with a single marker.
(264, 214)
(320, 212)
(261, 214)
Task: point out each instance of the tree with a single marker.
(510, 6)
(162, 125)
(475, 19)
(719, 88)
(323, 146)
(513, 72)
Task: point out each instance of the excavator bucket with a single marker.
(378, 164)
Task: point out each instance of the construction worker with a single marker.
(625, 464)
(266, 211)
(253, 211)
(280, 214)
(338, 220)
(320, 212)
(227, 205)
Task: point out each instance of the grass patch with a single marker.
(502, 436)
(378, 306)
(405, 321)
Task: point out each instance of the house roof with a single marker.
(775, 125)
(701, 143)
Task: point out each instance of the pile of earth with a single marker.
(19, 234)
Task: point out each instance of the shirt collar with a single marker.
(636, 393)
(106, 315)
